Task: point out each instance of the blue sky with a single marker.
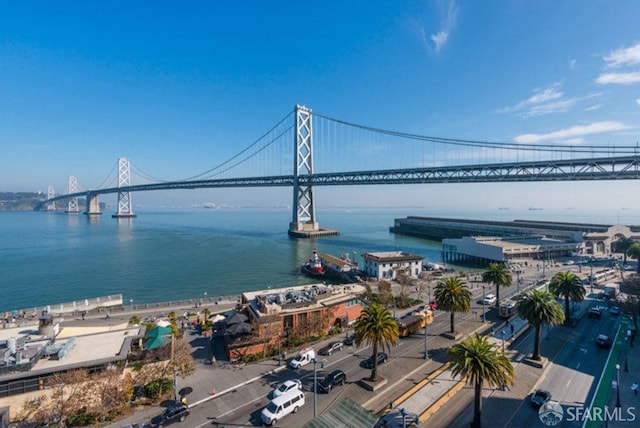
(179, 87)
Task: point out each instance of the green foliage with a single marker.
(138, 366)
(377, 328)
(568, 286)
(499, 275)
(156, 388)
(83, 419)
(135, 319)
(453, 295)
(539, 308)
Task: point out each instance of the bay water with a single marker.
(48, 258)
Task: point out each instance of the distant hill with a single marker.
(21, 201)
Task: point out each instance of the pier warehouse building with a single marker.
(486, 241)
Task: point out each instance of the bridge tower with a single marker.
(124, 198)
(51, 206)
(72, 208)
(303, 223)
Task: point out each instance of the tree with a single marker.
(499, 275)
(634, 253)
(569, 286)
(539, 308)
(478, 361)
(621, 246)
(453, 295)
(377, 328)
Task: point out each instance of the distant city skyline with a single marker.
(181, 88)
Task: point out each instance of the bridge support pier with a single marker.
(51, 206)
(124, 198)
(93, 204)
(303, 223)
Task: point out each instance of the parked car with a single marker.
(175, 413)
(433, 305)
(304, 357)
(285, 387)
(382, 358)
(539, 397)
(614, 311)
(595, 312)
(336, 377)
(489, 299)
(331, 348)
(603, 341)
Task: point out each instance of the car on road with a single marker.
(175, 413)
(595, 312)
(603, 341)
(350, 340)
(381, 357)
(614, 311)
(489, 299)
(331, 348)
(285, 387)
(397, 418)
(336, 377)
(539, 397)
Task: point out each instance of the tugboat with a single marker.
(314, 266)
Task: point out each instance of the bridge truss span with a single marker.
(605, 168)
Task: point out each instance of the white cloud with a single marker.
(572, 64)
(618, 78)
(638, 101)
(623, 57)
(439, 40)
(543, 101)
(573, 132)
(450, 14)
(593, 107)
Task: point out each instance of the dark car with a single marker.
(177, 413)
(382, 358)
(331, 348)
(350, 340)
(603, 341)
(614, 311)
(334, 378)
(539, 397)
(595, 312)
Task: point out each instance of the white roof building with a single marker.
(386, 265)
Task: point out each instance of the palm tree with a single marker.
(634, 253)
(539, 308)
(479, 361)
(569, 286)
(497, 274)
(377, 328)
(453, 295)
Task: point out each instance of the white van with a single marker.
(281, 406)
(305, 356)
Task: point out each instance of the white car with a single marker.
(285, 387)
(489, 299)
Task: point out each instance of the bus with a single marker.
(409, 324)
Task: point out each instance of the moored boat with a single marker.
(314, 266)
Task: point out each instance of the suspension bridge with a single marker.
(332, 152)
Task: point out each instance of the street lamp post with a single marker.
(503, 342)
(315, 387)
(591, 275)
(484, 319)
(403, 412)
(426, 330)
(618, 405)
